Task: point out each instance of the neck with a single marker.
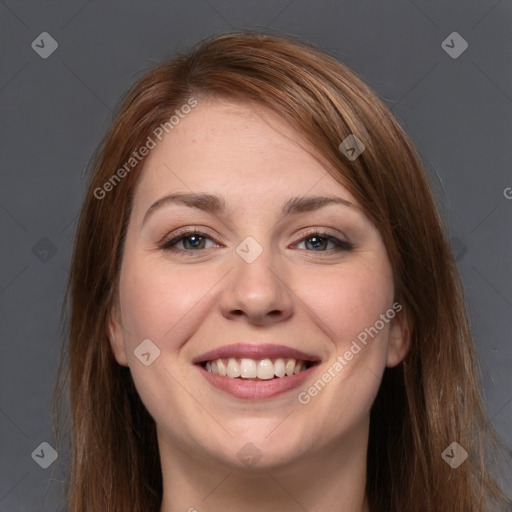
(333, 479)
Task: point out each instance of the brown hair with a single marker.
(422, 406)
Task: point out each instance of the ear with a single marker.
(399, 339)
(116, 336)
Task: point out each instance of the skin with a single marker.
(296, 293)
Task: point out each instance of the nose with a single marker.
(257, 292)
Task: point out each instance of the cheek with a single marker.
(156, 304)
(348, 304)
(349, 300)
(155, 301)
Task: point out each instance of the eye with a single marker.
(319, 242)
(193, 241)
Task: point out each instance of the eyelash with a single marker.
(168, 245)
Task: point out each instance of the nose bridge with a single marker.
(256, 264)
(257, 287)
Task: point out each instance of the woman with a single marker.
(265, 313)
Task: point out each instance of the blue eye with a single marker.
(194, 241)
(321, 240)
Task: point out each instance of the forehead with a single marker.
(242, 151)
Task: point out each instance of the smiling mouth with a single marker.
(256, 369)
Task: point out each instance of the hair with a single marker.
(422, 406)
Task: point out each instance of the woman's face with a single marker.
(275, 279)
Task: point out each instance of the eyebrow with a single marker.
(216, 204)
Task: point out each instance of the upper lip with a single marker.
(253, 351)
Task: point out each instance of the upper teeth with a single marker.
(264, 369)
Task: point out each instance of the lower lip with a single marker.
(256, 389)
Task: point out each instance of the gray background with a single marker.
(54, 112)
